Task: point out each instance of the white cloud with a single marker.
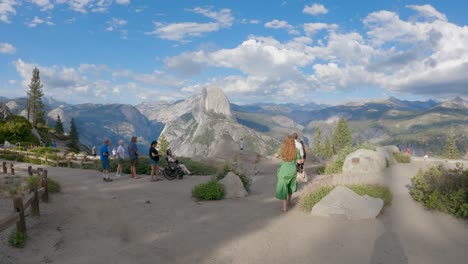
(183, 30)
(315, 9)
(7, 48)
(123, 2)
(116, 24)
(281, 24)
(312, 28)
(250, 21)
(84, 6)
(43, 4)
(38, 21)
(428, 11)
(7, 9)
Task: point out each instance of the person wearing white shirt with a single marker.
(120, 158)
(299, 147)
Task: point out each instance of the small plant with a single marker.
(17, 239)
(33, 182)
(211, 190)
(337, 165)
(402, 157)
(246, 181)
(53, 186)
(308, 201)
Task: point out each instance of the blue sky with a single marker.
(129, 51)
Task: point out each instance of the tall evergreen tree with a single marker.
(327, 150)
(59, 126)
(73, 142)
(342, 136)
(317, 145)
(162, 144)
(451, 150)
(35, 107)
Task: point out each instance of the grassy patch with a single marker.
(442, 189)
(402, 157)
(34, 182)
(375, 191)
(53, 186)
(17, 239)
(211, 190)
(308, 201)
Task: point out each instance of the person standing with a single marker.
(104, 153)
(133, 154)
(154, 160)
(241, 144)
(299, 147)
(120, 158)
(93, 151)
(286, 173)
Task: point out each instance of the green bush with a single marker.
(373, 191)
(17, 239)
(246, 181)
(337, 165)
(307, 202)
(442, 189)
(402, 157)
(34, 182)
(211, 190)
(53, 186)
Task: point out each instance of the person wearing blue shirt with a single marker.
(104, 153)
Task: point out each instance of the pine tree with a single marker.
(35, 106)
(342, 136)
(58, 126)
(451, 150)
(162, 144)
(73, 142)
(317, 145)
(327, 150)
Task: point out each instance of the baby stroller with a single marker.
(173, 170)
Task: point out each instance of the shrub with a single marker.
(373, 191)
(402, 157)
(442, 189)
(337, 165)
(34, 182)
(17, 239)
(53, 186)
(211, 190)
(307, 202)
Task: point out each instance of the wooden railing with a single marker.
(80, 160)
(20, 205)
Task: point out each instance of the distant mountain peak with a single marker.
(214, 100)
(458, 100)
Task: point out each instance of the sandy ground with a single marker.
(137, 221)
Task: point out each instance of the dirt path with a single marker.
(97, 222)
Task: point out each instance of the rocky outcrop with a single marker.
(364, 161)
(233, 187)
(387, 152)
(5, 114)
(343, 203)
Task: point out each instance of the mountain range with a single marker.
(207, 124)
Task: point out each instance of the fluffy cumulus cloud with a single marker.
(315, 9)
(183, 31)
(85, 6)
(116, 24)
(36, 21)
(7, 9)
(7, 48)
(43, 4)
(425, 56)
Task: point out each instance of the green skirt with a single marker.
(286, 179)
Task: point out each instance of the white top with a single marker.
(121, 152)
(299, 147)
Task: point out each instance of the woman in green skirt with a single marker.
(286, 173)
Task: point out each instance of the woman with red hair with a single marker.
(286, 173)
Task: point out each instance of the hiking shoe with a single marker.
(109, 180)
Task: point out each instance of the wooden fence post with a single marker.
(39, 171)
(4, 167)
(35, 203)
(45, 184)
(12, 169)
(18, 205)
(30, 171)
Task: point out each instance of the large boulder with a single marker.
(233, 187)
(342, 202)
(387, 152)
(364, 161)
(5, 113)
